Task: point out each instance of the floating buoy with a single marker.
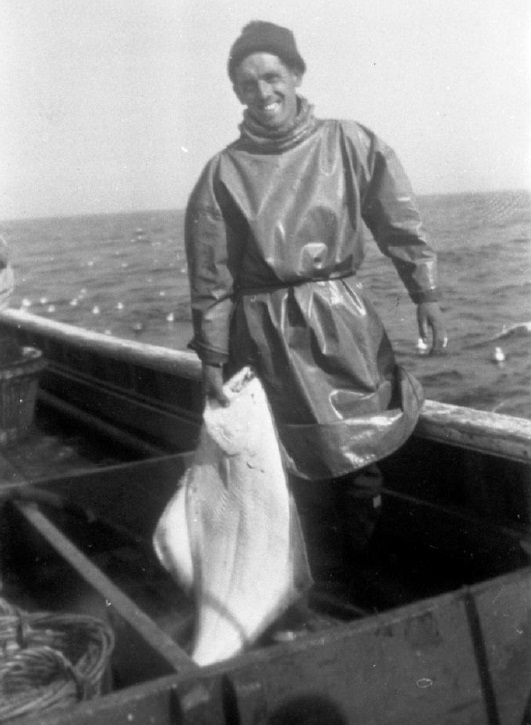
(170, 317)
(498, 355)
(96, 310)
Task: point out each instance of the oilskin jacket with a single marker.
(274, 241)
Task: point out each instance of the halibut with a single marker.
(231, 535)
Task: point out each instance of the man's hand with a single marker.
(429, 317)
(213, 384)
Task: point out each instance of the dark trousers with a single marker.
(338, 517)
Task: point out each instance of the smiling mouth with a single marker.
(270, 108)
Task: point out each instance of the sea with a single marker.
(126, 275)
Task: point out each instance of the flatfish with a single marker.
(231, 535)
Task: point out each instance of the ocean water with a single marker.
(101, 273)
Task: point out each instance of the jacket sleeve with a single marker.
(390, 211)
(211, 280)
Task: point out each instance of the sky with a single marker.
(116, 105)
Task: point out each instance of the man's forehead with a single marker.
(258, 64)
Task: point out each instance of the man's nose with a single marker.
(264, 89)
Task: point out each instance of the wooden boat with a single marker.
(438, 631)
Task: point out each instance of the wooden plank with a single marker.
(153, 702)
(175, 428)
(156, 639)
(413, 666)
(154, 356)
(478, 430)
(455, 425)
(164, 701)
(504, 618)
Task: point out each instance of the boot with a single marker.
(360, 507)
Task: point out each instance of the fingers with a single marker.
(213, 384)
(429, 317)
(440, 339)
(422, 321)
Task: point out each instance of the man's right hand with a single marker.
(213, 384)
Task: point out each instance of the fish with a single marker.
(231, 535)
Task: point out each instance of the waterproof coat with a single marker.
(274, 241)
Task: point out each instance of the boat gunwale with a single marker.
(504, 435)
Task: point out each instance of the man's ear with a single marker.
(236, 93)
(297, 78)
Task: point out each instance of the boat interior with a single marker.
(82, 490)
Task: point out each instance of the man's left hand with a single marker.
(429, 317)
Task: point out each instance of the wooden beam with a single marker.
(154, 356)
(502, 435)
(492, 433)
(157, 640)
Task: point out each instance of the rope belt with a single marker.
(266, 289)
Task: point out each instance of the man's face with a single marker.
(268, 88)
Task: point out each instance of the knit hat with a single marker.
(262, 37)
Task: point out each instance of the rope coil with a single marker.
(49, 660)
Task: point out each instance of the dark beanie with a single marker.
(262, 37)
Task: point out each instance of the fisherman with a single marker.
(275, 238)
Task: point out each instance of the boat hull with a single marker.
(447, 638)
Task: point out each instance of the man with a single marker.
(274, 237)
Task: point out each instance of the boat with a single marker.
(440, 631)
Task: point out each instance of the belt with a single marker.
(265, 289)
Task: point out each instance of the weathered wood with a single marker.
(161, 645)
(172, 428)
(153, 703)
(478, 430)
(419, 664)
(504, 618)
(157, 357)
(455, 425)
(460, 657)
